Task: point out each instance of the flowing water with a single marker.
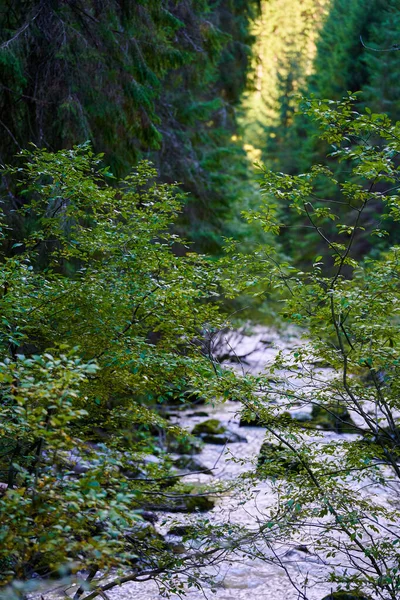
(242, 577)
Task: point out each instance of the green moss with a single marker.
(275, 460)
(332, 418)
(211, 426)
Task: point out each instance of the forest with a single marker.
(199, 287)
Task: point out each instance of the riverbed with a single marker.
(241, 577)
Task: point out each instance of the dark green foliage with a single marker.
(381, 91)
(342, 62)
(338, 64)
(155, 78)
(82, 452)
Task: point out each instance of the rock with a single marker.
(346, 596)
(193, 503)
(188, 498)
(213, 432)
(176, 548)
(148, 516)
(170, 415)
(275, 460)
(223, 438)
(186, 504)
(199, 413)
(183, 530)
(332, 418)
(212, 426)
(188, 463)
(302, 548)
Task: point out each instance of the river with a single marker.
(241, 577)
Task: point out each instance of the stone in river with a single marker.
(213, 432)
(276, 460)
(346, 596)
(334, 417)
(223, 438)
(212, 426)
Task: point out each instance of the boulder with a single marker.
(223, 438)
(213, 432)
(150, 517)
(275, 460)
(183, 530)
(346, 596)
(211, 426)
(193, 503)
(334, 417)
(301, 416)
(188, 498)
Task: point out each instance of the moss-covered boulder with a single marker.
(211, 426)
(183, 530)
(301, 416)
(334, 417)
(194, 503)
(185, 498)
(276, 460)
(224, 438)
(213, 432)
(346, 596)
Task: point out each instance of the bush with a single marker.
(101, 316)
(342, 500)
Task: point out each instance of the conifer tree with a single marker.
(151, 79)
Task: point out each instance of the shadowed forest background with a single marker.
(139, 140)
(202, 89)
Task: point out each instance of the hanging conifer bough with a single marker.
(155, 79)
